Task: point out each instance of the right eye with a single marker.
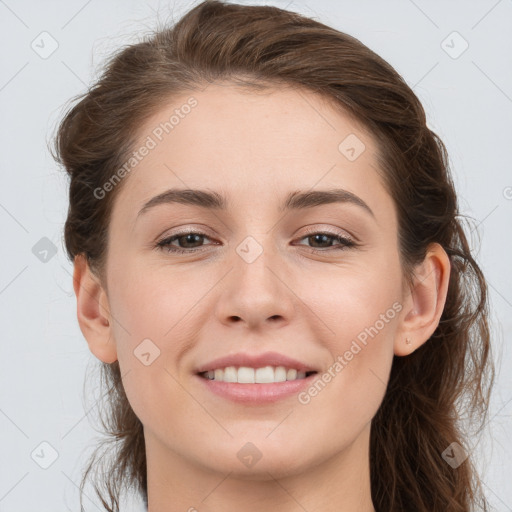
(185, 237)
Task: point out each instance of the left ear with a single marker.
(424, 303)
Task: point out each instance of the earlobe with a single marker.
(93, 311)
(424, 302)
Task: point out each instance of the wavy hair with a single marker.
(261, 47)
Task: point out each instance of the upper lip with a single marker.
(255, 361)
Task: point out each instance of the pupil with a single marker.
(190, 237)
(318, 238)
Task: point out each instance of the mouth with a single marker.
(249, 375)
(253, 379)
(256, 386)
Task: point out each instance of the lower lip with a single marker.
(257, 393)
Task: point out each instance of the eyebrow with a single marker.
(297, 200)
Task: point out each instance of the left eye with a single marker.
(344, 242)
(191, 237)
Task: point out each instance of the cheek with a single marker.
(152, 331)
(358, 301)
(362, 317)
(154, 303)
(347, 394)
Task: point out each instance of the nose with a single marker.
(257, 292)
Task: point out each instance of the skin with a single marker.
(256, 148)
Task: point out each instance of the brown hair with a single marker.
(263, 46)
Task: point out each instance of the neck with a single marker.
(340, 483)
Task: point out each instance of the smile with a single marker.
(248, 375)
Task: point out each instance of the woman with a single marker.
(271, 267)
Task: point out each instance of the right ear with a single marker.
(93, 311)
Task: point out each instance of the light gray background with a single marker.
(44, 357)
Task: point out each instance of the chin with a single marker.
(258, 459)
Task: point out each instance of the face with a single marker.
(261, 279)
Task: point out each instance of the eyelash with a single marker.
(165, 244)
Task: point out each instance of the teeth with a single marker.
(246, 375)
(230, 374)
(280, 374)
(264, 375)
(291, 374)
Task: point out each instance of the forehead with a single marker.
(254, 146)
